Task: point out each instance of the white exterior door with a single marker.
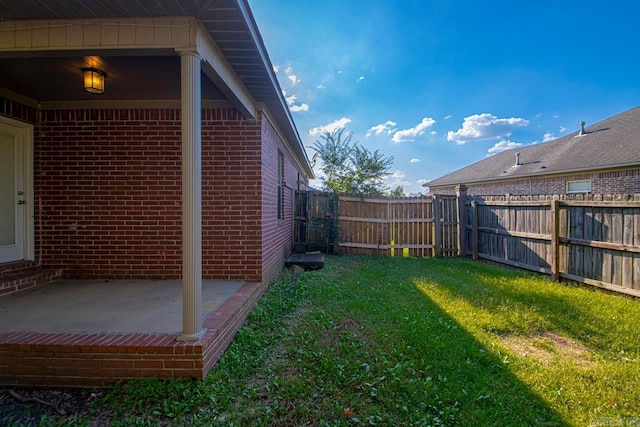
(16, 198)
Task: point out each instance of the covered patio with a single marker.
(144, 140)
(93, 332)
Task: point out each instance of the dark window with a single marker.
(583, 186)
(280, 185)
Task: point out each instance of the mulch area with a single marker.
(26, 407)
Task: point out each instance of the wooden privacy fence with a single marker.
(404, 226)
(596, 242)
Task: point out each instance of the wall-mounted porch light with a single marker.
(94, 80)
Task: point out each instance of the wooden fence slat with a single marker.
(555, 231)
(635, 284)
(475, 228)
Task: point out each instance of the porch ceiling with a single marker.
(128, 78)
(132, 76)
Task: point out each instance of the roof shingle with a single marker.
(613, 142)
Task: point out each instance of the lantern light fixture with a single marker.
(94, 80)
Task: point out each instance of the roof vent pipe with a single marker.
(517, 159)
(582, 131)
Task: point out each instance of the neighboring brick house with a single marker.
(185, 166)
(602, 159)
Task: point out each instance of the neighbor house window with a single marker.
(579, 186)
(280, 184)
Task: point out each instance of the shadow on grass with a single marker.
(448, 371)
(541, 306)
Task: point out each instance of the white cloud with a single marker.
(340, 123)
(294, 79)
(387, 127)
(320, 87)
(396, 179)
(422, 181)
(414, 161)
(276, 68)
(409, 134)
(298, 108)
(502, 146)
(548, 137)
(291, 102)
(291, 76)
(290, 99)
(479, 127)
(562, 129)
(359, 79)
(447, 117)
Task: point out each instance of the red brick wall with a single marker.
(232, 194)
(17, 111)
(626, 181)
(108, 193)
(277, 239)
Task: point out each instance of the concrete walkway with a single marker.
(100, 306)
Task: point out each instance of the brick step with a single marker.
(20, 280)
(15, 267)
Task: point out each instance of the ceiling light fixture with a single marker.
(94, 80)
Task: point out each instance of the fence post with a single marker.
(461, 194)
(437, 226)
(555, 240)
(475, 231)
(334, 203)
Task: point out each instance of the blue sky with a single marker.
(442, 84)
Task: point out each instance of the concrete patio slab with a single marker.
(107, 306)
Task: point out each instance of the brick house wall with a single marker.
(622, 181)
(231, 199)
(108, 193)
(277, 239)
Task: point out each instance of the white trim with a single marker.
(96, 34)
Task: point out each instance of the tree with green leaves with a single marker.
(397, 192)
(348, 167)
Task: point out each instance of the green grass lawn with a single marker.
(405, 341)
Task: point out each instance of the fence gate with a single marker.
(446, 226)
(386, 226)
(314, 227)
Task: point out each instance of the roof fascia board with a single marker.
(217, 68)
(97, 34)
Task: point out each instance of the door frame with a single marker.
(24, 133)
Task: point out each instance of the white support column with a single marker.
(191, 197)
